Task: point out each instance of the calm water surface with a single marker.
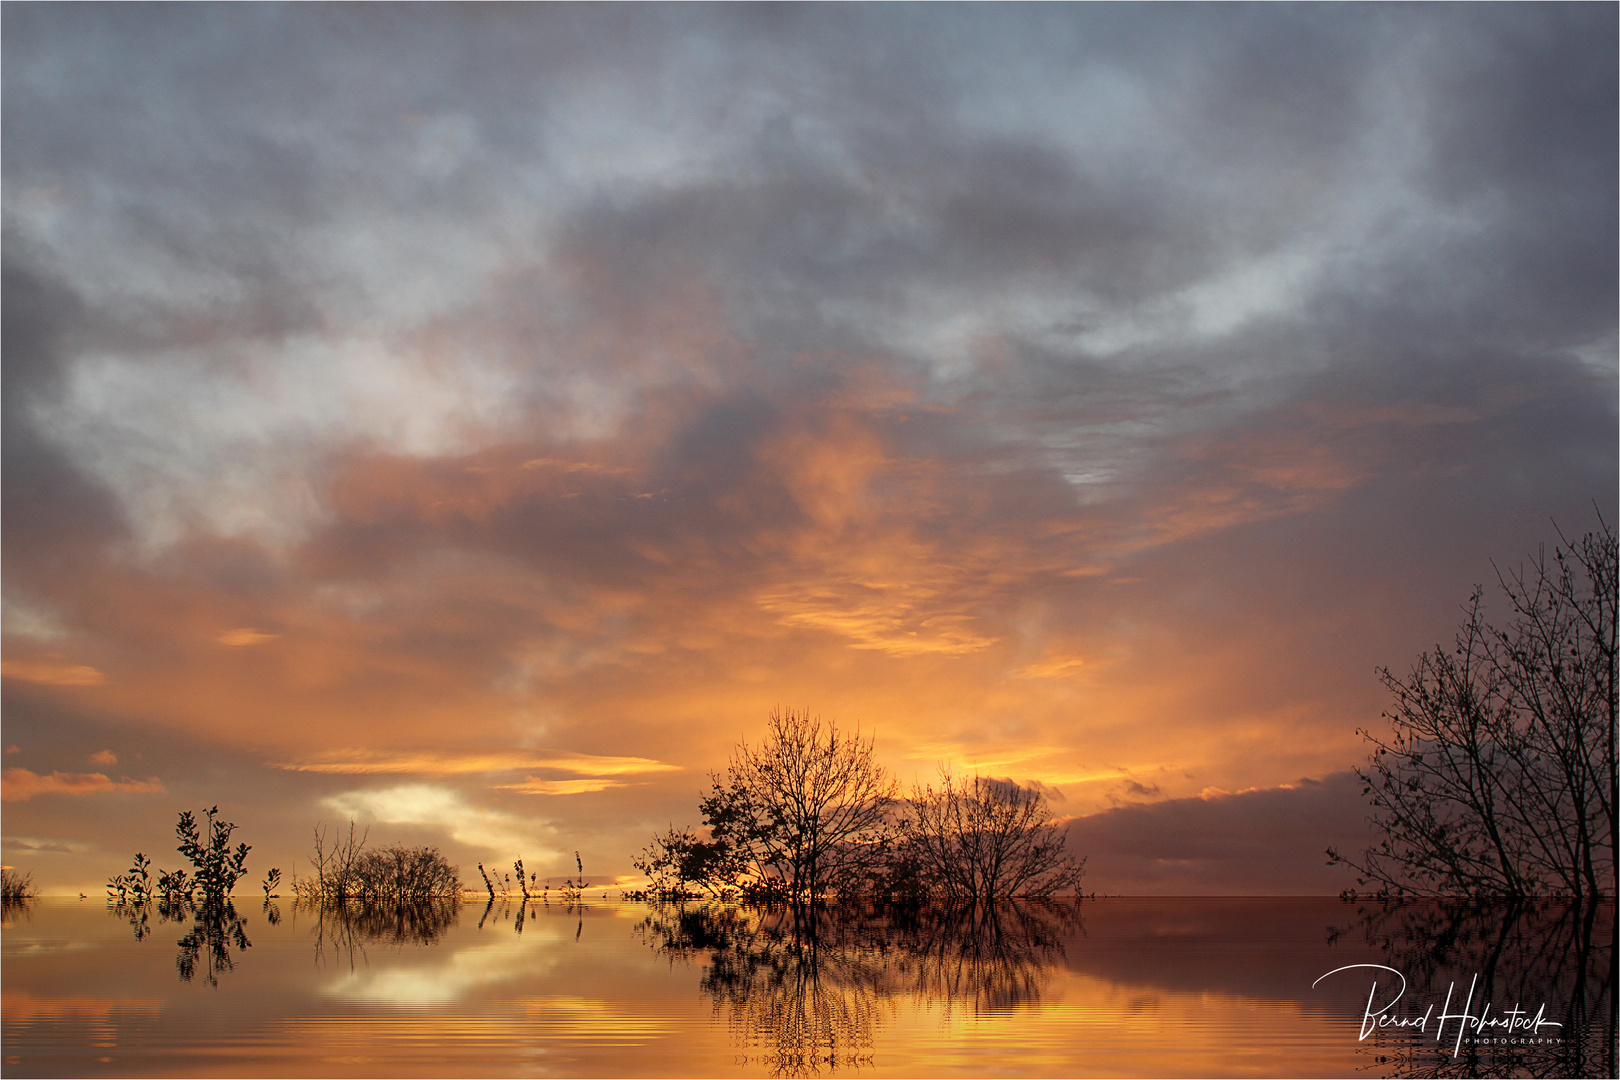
(1139, 987)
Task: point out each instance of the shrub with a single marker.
(217, 866)
(16, 886)
(348, 871)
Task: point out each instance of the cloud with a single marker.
(1055, 667)
(51, 672)
(103, 757)
(56, 847)
(20, 785)
(245, 636)
(447, 811)
(362, 762)
(533, 785)
(1252, 843)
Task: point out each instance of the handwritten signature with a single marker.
(1488, 1021)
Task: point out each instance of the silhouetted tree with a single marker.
(680, 861)
(986, 839)
(802, 814)
(1498, 776)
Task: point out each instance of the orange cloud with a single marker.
(1055, 667)
(244, 636)
(365, 762)
(20, 785)
(52, 672)
(872, 616)
(533, 785)
(574, 466)
(103, 757)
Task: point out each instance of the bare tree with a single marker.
(802, 814)
(1498, 776)
(335, 865)
(985, 839)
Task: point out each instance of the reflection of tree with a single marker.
(345, 928)
(214, 930)
(996, 956)
(139, 917)
(810, 985)
(1558, 953)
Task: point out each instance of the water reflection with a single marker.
(206, 947)
(215, 929)
(343, 929)
(1560, 955)
(810, 986)
(1162, 987)
(11, 908)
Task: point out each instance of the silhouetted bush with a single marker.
(15, 886)
(346, 870)
(216, 866)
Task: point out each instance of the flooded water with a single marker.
(1119, 987)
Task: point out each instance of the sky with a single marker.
(473, 421)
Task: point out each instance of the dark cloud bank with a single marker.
(1257, 843)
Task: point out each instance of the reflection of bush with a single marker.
(139, 915)
(1558, 953)
(10, 910)
(810, 985)
(347, 927)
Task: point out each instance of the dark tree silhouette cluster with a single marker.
(1497, 777)
(981, 838)
(809, 813)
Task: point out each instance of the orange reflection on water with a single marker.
(23, 1007)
